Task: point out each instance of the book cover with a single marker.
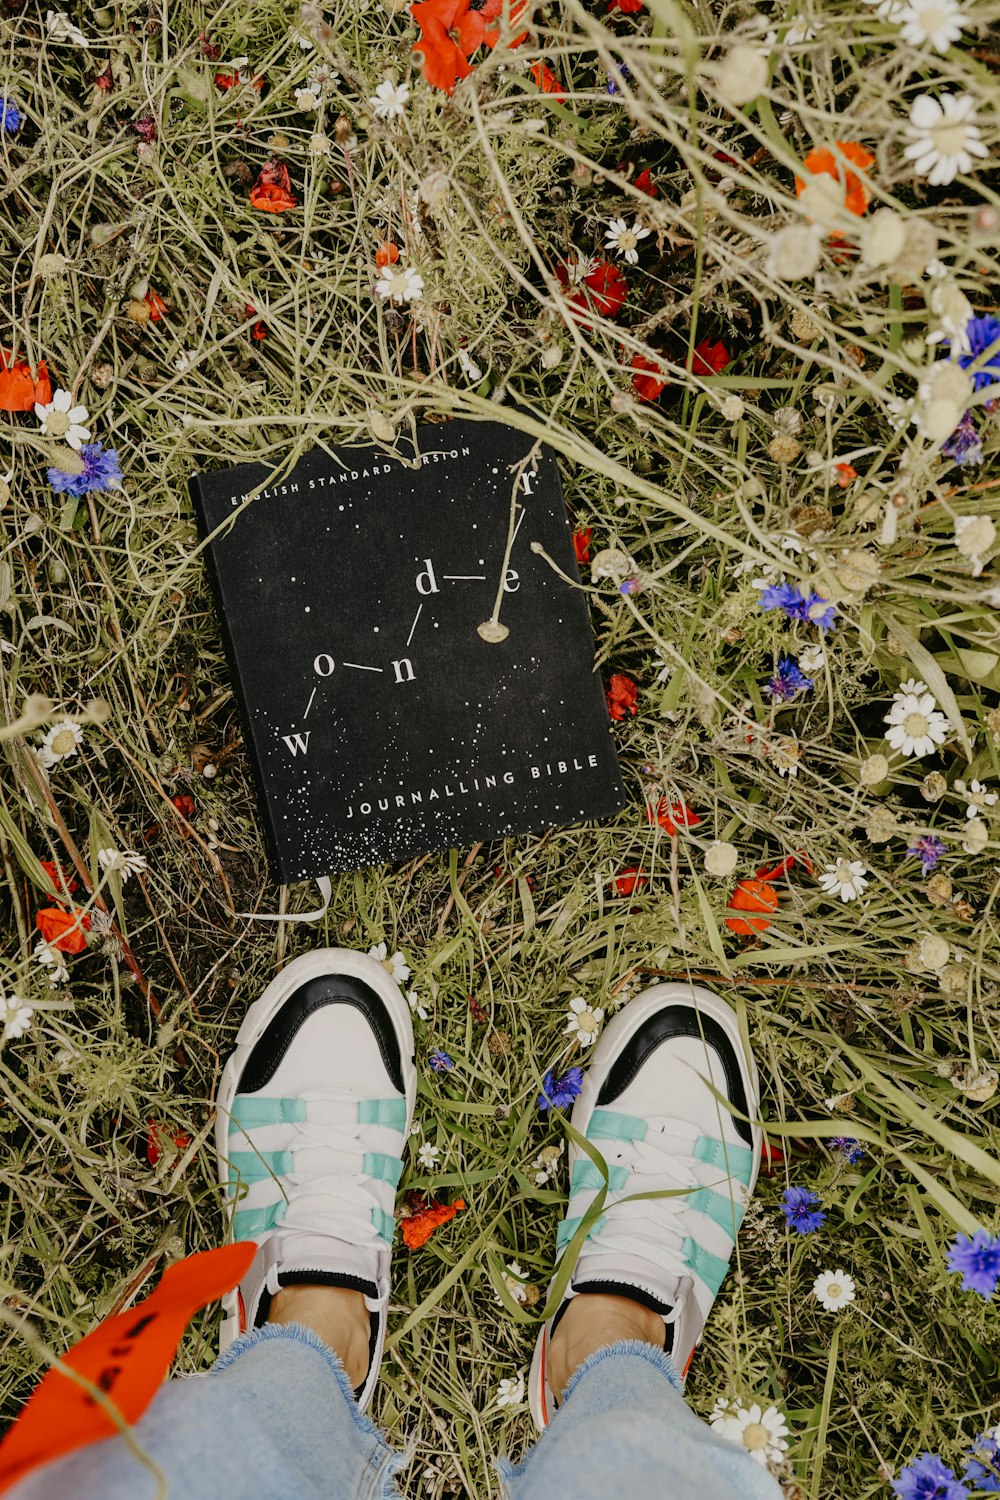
(411, 674)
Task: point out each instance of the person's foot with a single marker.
(651, 1269)
(314, 1109)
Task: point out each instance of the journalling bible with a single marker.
(412, 673)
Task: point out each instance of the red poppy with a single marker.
(546, 80)
(272, 192)
(426, 1215)
(154, 1146)
(157, 306)
(677, 815)
(771, 1157)
(752, 895)
(581, 543)
(644, 182)
(226, 81)
(648, 387)
(629, 880)
(621, 693)
(259, 329)
(846, 473)
(627, 7)
(62, 880)
(105, 80)
(492, 10)
(822, 162)
(709, 359)
(183, 803)
(145, 128)
(387, 254)
(449, 34)
(63, 929)
(606, 285)
(19, 389)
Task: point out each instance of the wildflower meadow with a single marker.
(737, 266)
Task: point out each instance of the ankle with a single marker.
(591, 1322)
(337, 1315)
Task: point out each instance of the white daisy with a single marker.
(389, 99)
(811, 660)
(513, 1279)
(845, 879)
(50, 958)
(761, 1432)
(322, 77)
(428, 1156)
(123, 862)
(307, 100)
(579, 268)
(61, 741)
(511, 1392)
(470, 369)
(934, 22)
(944, 137)
(620, 237)
(978, 797)
(400, 284)
(583, 1021)
(834, 1290)
(415, 1005)
(59, 28)
(546, 1164)
(916, 725)
(977, 836)
(395, 966)
(15, 1016)
(61, 419)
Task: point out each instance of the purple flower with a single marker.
(558, 1092)
(100, 473)
(788, 680)
(11, 118)
(965, 445)
(983, 1471)
(927, 1478)
(929, 850)
(810, 608)
(977, 1260)
(848, 1147)
(440, 1061)
(625, 74)
(982, 334)
(799, 1206)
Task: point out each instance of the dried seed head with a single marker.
(784, 449)
(136, 311)
(499, 1044)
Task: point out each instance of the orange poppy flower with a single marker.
(677, 815)
(621, 693)
(157, 306)
(845, 474)
(629, 880)
(752, 895)
(420, 1225)
(822, 162)
(272, 192)
(492, 10)
(449, 34)
(63, 929)
(387, 254)
(581, 544)
(19, 389)
(547, 81)
(59, 877)
(648, 386)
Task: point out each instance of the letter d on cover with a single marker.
(427, 576)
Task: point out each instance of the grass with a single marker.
(107, 619)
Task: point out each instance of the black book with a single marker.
(412, 673)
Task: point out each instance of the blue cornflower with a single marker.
(819, 612)
(848, 1147)
(100, 473)
(982, 334)
(983, 1471)
(625, 74)
(927, 1478)
(965, 445)
(811, 608)
(800, 1210)
(788, 680)
(929, 850)
(558, 1092)
(11, 118)
(440, 1061)
(978, 1261)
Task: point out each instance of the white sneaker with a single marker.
(314, 1110)
(647, 1109)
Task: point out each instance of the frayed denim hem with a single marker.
(624, 1349)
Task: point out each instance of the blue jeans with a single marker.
(275, 1419)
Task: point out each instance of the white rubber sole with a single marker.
(613, 1038)
(313, 965)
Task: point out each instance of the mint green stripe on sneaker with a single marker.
(609, 1125)
(710, 1269)
(587, 1174)
(249, 1112)
(383, 1112)
(258, 1166)
(383, 1168)
(248, 1223)
(568, 1228)
(385, 1224)
(718, 1207)
(734, 1161)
